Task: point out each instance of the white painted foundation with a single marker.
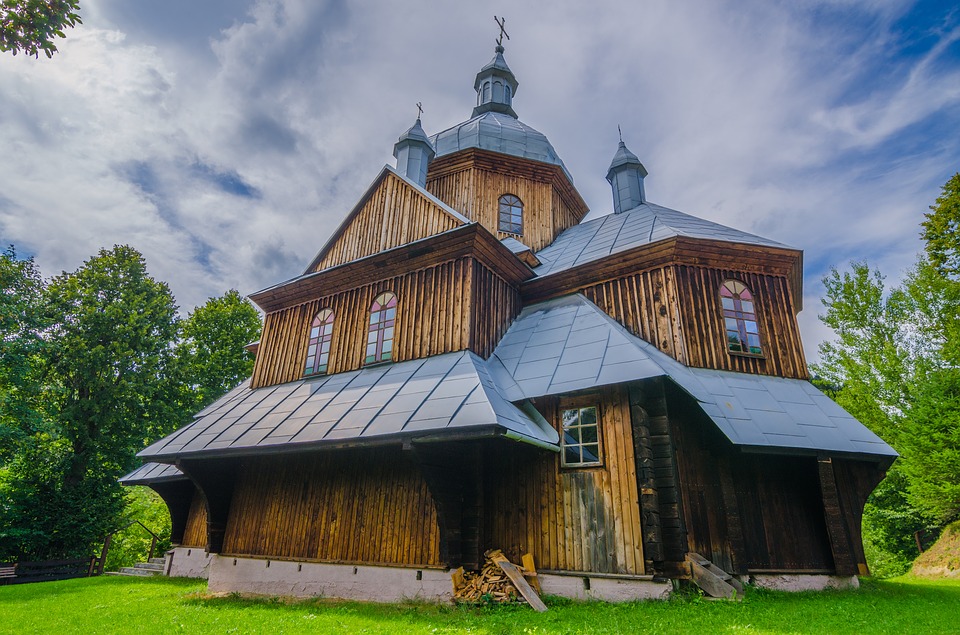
(588, 587)
(804, 582)
(187, 562)
(312, 579)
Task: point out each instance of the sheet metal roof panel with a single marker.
(433, 394)
(642, 225)
(152, 473)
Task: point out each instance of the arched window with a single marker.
(498, 92)
(740, 318)
(383, 318)
(318, 348)
(511, 214)
(506, 94)
(486, 92)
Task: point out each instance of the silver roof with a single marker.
(514, 245)
(643, 225)
(498, 132)
(570, 344)
(152, 473)
(446, 393)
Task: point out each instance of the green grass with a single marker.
(161, 605)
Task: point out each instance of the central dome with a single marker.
(498, 132)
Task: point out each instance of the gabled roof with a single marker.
(569, 344)
(150, 473)
(456, 218)
(445, 396)
(643, 225)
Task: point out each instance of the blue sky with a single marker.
(225, 140)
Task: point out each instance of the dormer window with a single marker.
(383, 319)
(511, 214)
(740, 318)
(318, 347)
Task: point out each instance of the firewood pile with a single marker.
(493, 582)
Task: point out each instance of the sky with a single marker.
(226, 140)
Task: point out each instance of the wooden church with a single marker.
(467, 364)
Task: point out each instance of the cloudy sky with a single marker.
(226, 139)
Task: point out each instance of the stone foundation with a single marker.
(187, 562)
(585, 586)
(311, 579)
(803, 582)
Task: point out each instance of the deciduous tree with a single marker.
(30, 26)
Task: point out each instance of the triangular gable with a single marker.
(394, 211)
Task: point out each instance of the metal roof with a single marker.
(446, 393)
(498, 132)
(643, 225)
(570, 344)
(153, 473)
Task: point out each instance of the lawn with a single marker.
(161, 605)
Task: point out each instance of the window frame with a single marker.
(322, 337)
(514, 219)
(381, 317)
(580, 406)
(733, 312)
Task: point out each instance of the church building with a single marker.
(467, 364)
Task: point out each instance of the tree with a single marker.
(107, 353)
(31, 25)
(211, 350)
(941, 229)
(21, 324)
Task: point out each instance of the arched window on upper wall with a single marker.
(486, 92)
(383, 319)
(318, 347)
(740, 318)
(511, 214)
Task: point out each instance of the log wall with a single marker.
(195, 534)
(359, 506)
(574, 519)
(449, 307)
(395, 214)
(472, 183)
(677, 308)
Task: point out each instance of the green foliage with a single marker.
(21, 325)
(941, 230)
(30, 26)
(889, 521)
(132, 544)
(170, 605)
(211, 349)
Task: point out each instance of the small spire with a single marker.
(625, 175)
(414, 152)
(495, 83)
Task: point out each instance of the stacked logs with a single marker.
(489, 584)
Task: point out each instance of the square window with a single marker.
(581, 437)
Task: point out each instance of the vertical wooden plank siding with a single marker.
(473, 185)
(677, 308)
(577, 519)
(362, 506)
(195, 533)
(432, 318)
(394, 215)
(493, 306)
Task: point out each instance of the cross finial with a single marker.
(419, 109)
(620, 132)
(503, 30)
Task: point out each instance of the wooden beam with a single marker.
(840, 541)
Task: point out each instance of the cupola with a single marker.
(414, 152)
(495, 86)
(626, 176)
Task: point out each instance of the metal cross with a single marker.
(621, 133)
(419, 109)
(503, 30)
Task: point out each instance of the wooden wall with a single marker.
(395, 214)
(195, 534)
(747, 512)
(677, 308)
(361, 506)
(574, 519)
(495, 303)
(472, 183)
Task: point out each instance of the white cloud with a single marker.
(817, 132)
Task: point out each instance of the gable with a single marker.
(393, 212)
